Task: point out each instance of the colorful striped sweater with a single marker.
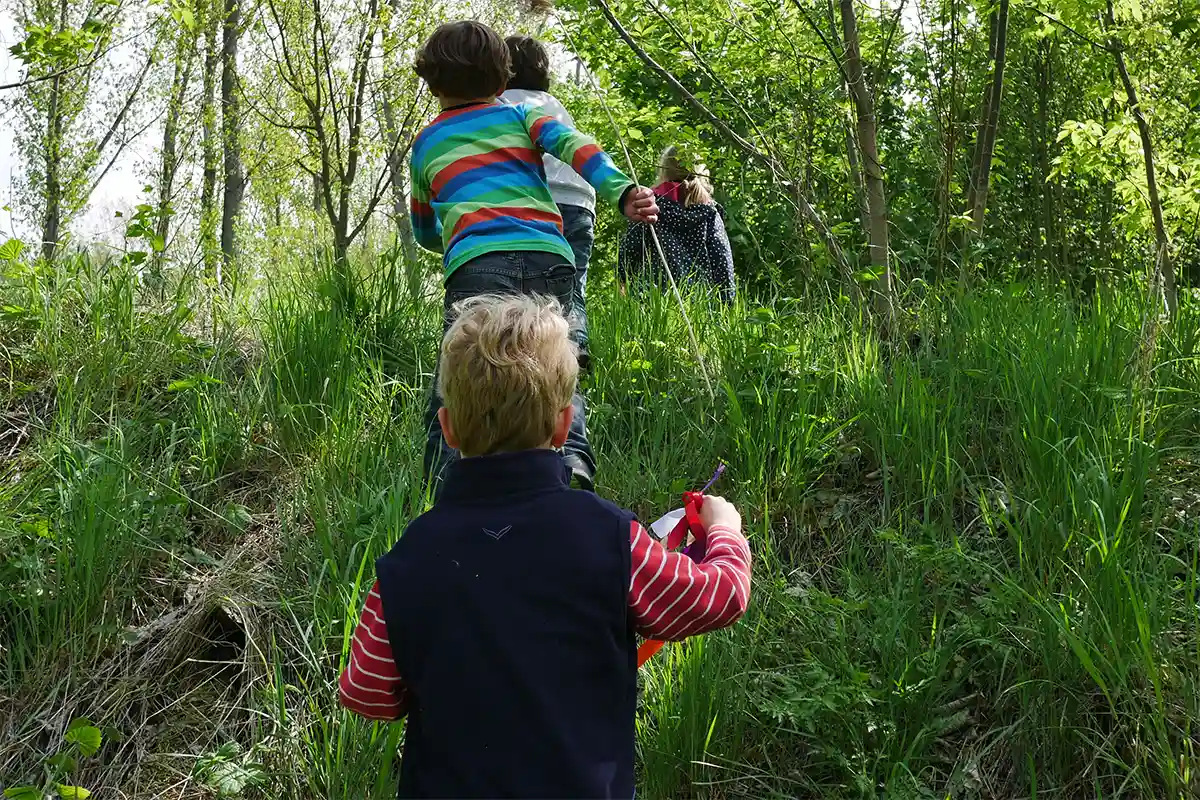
(479, 184)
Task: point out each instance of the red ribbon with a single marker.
(690, 521)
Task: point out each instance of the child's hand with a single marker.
(719, 511)
(640, 205)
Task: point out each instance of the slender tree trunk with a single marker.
(230, 126)
(949, 110)
(1045, 87)
(877, 232)
(852, 155)
(1163, 280)
(53, 148)
(52, 221)
(208, 114)
(989, 123)
(398, 141)
(170, 162)
(856, 177)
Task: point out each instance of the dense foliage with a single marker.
(964, 442)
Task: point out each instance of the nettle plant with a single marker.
(82, 740)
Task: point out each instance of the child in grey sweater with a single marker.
(576, 200)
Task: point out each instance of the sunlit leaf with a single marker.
(11, 250)
(85, 735)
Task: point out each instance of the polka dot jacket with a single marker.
(694, 241)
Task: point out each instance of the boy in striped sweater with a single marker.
(503, 622)
(480, 197)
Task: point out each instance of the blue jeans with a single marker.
(579, 227)
(509, 273)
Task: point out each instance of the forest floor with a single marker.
(975, 570)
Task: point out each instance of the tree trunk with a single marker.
(53, 149)
(170, 162)
(1163, 280)
(1044, 88)
(398, 141)
(852, 159)
(989, 122)
(872, 168)
(950, 116)
(52, 221)
(208, 113)
(230, 127)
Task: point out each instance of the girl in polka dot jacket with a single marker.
(691, 229)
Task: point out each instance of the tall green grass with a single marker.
(975, 561)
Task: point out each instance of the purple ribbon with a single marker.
(720, 471)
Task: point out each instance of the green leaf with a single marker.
(39, 528)
(189, 21)
(85, 735)
(226, 776)
(62, 763)
(73, 792)
(11, 250)
(190, 383)
(23, 793)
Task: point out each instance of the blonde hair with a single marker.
(508, 370)
(675, 165)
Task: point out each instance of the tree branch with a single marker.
(128, 104)
(887, 45)
(1069, 29)
(836, 57)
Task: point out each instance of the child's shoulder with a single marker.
(572, 504)
(593, 504)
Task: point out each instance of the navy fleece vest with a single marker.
(507, 611)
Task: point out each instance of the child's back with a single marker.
(512, 594)
(503, 621)
(479, 185)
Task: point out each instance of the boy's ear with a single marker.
(448, 429)
(562, 426)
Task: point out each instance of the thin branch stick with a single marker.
(1069, 29)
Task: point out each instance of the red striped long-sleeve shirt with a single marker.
(670, 597)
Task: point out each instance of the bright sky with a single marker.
(118, 191)
(8, 74)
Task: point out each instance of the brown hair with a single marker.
(508, 370)
(530, 64)
(676, 165)
(464, 59)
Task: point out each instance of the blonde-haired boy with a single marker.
(509, 371)
(503, 621)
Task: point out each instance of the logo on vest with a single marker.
(499, 533)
